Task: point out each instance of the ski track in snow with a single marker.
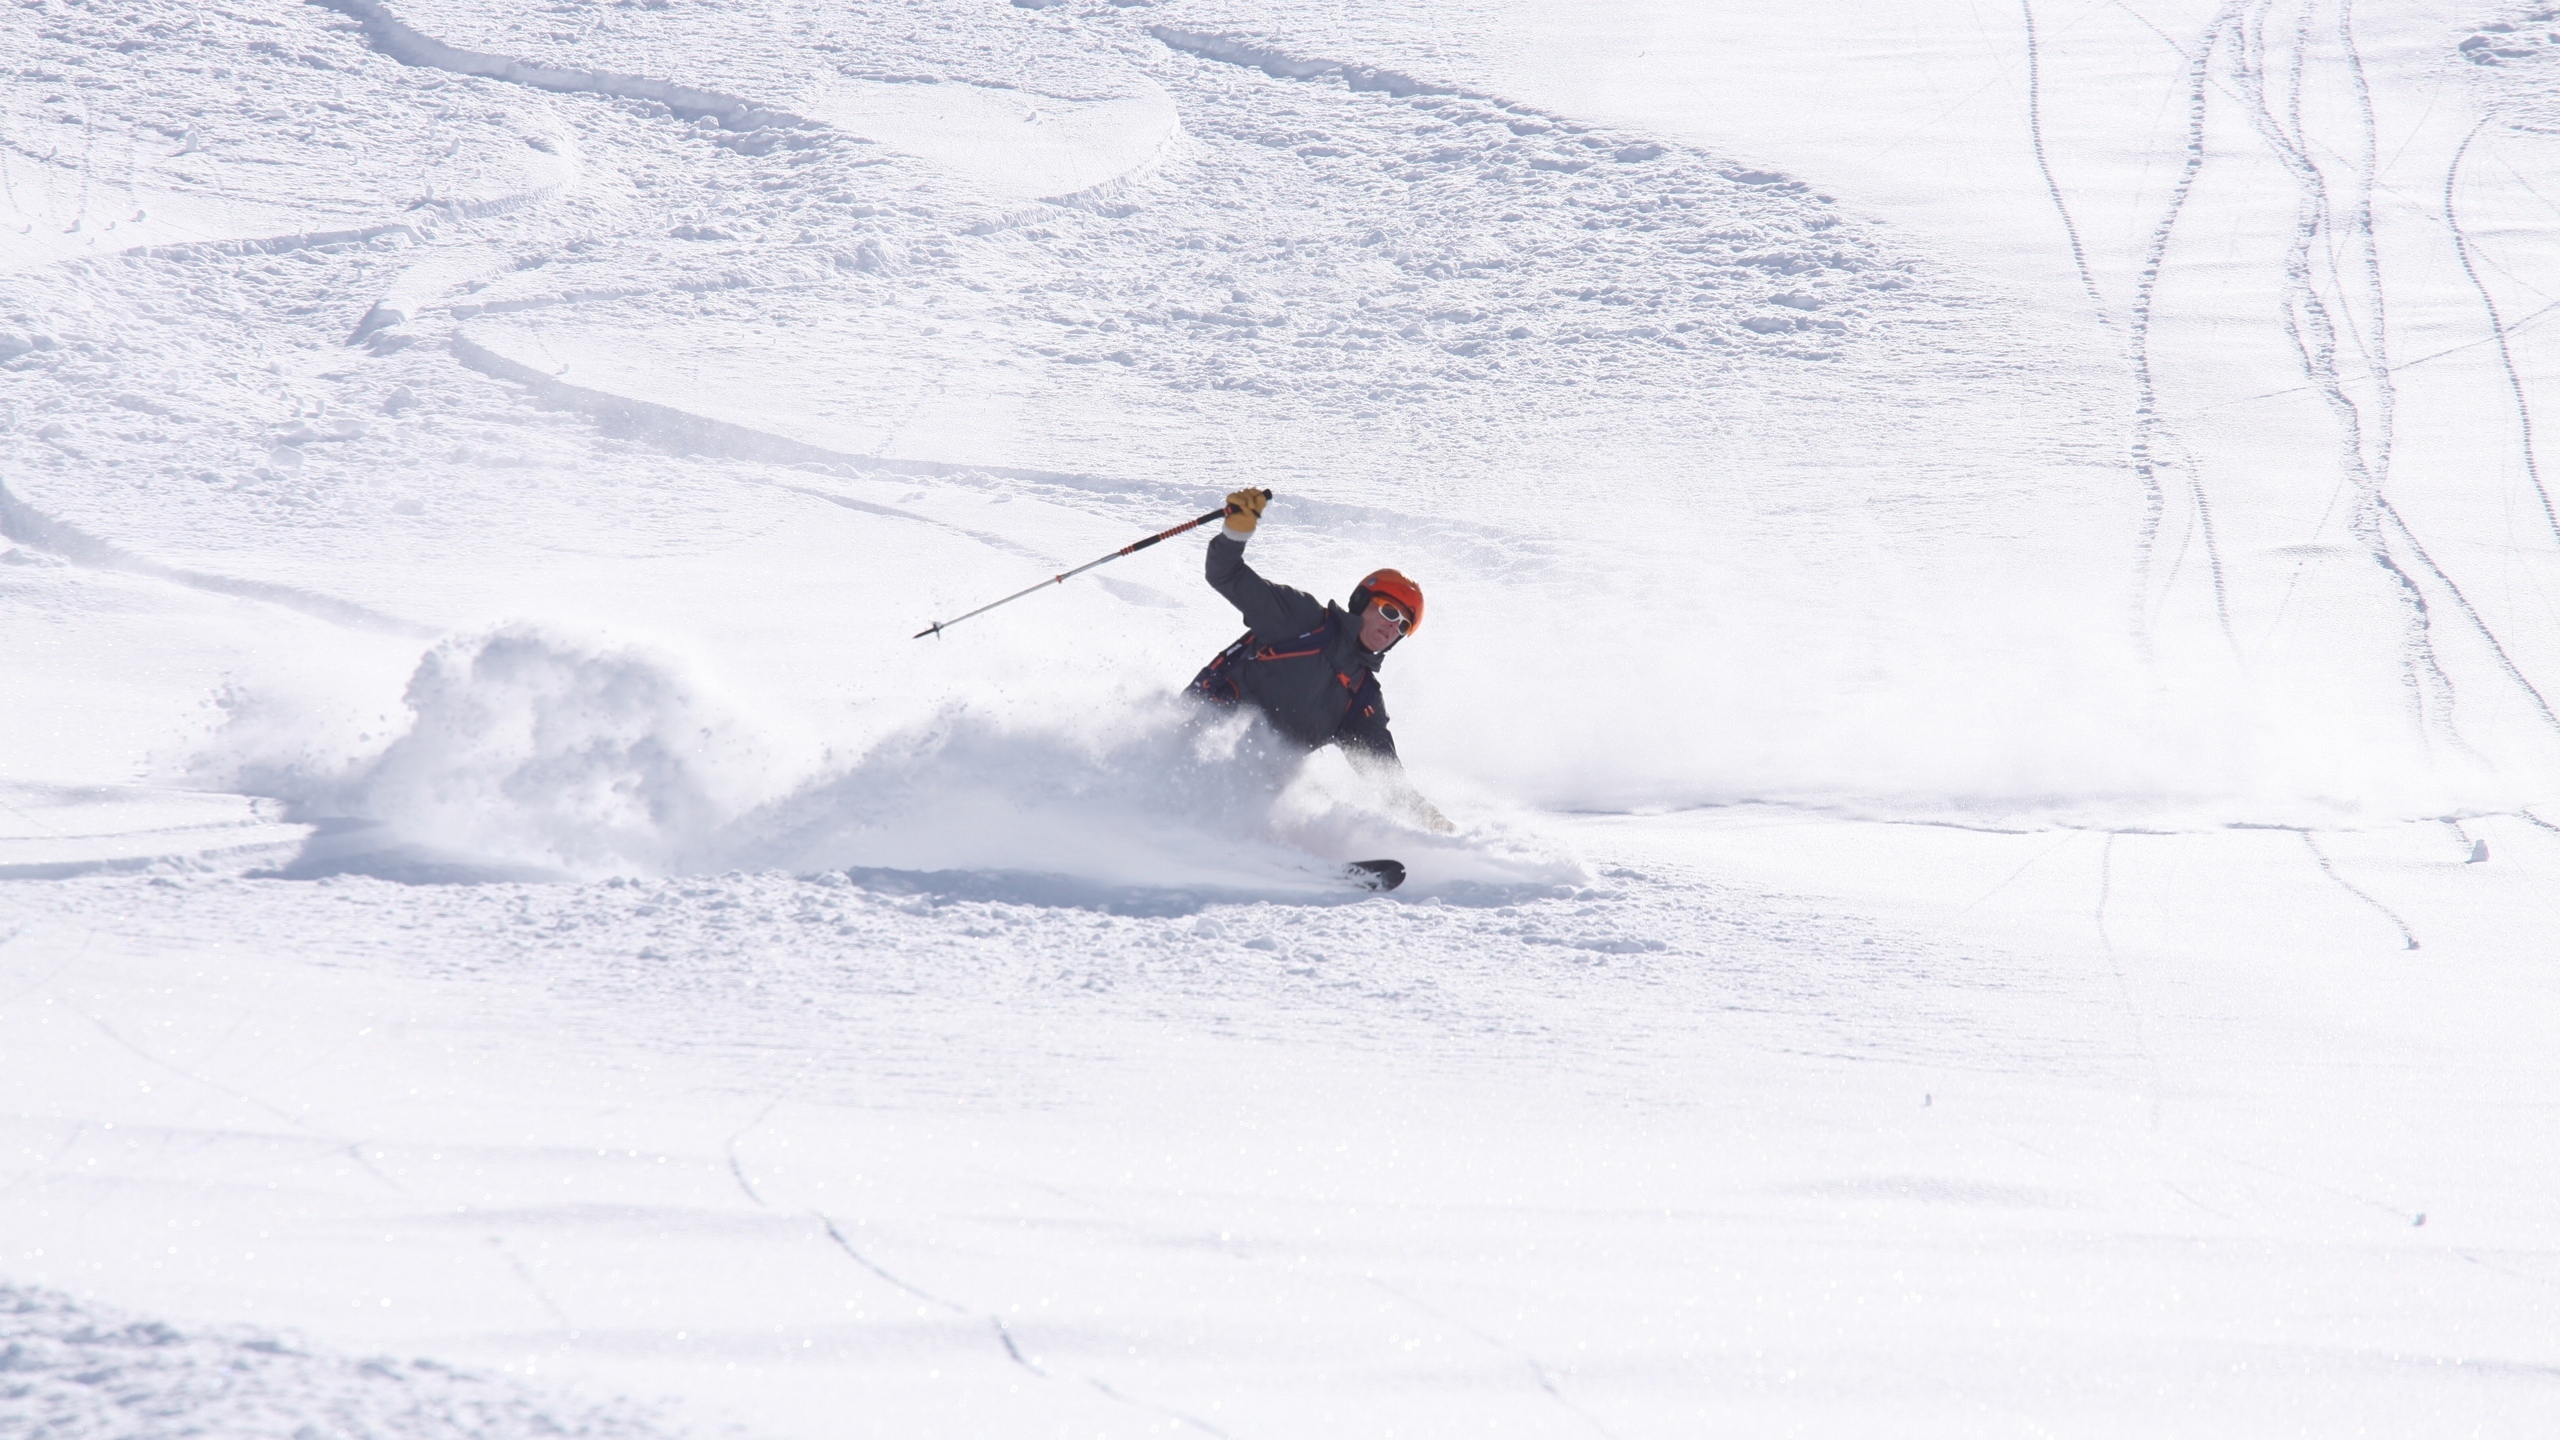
(1004, 1334)
(2374, 338)
(2149, 431)
(2497, 329)
(1539, 1370)
(2044, 165)
(2506, 663)
(2364, 448)
(2115, 968)
(2311, 842)
(2308, 325)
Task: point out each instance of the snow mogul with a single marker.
(1311, 666)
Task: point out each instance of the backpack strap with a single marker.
(1217, 679)
(1314, 642)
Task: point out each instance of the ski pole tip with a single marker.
(933, 629)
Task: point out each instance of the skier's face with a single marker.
(1377, 632)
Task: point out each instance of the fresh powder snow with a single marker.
(1994, 654)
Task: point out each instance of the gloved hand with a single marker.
(1244, 510)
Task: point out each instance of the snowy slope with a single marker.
(1990, 640)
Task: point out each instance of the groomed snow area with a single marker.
(1994, 636)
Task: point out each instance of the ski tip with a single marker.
(1375, 874)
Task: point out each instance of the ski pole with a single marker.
(938, 626)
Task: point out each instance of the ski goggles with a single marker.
(1394, 614)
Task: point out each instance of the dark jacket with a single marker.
(1300, 662)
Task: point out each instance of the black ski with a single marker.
(1374, 874)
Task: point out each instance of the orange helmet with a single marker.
(1389, 585)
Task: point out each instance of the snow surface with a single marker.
(1992, 644)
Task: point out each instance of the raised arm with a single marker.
(1273, 612)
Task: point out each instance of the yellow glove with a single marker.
(1244, 509)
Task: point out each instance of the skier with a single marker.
(1310, 665)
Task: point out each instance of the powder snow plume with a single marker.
(532, 755)
(1160, 795)
(528, 754)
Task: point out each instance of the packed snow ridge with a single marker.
(75, 1373)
